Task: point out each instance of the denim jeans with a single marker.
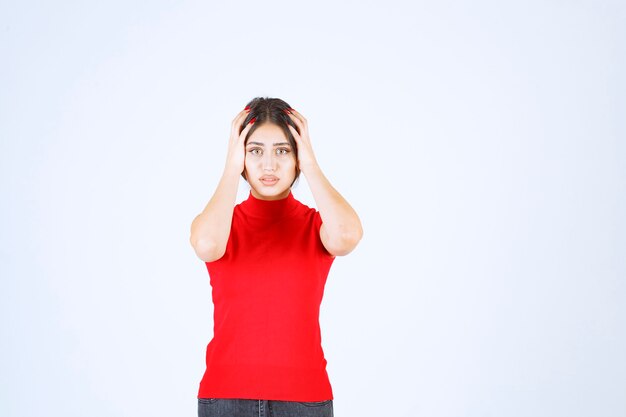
(234, 407)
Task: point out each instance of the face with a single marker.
(270, 163)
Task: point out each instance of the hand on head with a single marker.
(236, 150)
(306, 157)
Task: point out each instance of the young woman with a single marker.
(268, 259)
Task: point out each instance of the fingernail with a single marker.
(252, 120)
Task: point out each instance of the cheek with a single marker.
(291, 164)
(248, 162)
(247, 166)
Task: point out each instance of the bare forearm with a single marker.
(341, 225)
(341, 228)
(211, 228)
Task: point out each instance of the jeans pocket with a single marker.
(315, 403)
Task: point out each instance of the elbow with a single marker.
(346, 242)
(206, 250)
(351, 240)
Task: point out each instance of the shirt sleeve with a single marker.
(317, 222)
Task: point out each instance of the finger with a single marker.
(245, 131)
(295, 119)
(239, 118)
(242, 114)
(298, 115)
(301, 131)
(238, 126)
(295, 133)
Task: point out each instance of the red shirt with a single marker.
(267, 290)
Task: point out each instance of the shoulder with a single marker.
(313, 219)
(304, 211)
(240, 210)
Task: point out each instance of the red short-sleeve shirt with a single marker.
(267, 290)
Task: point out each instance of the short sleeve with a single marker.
(317, 223)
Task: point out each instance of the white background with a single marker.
(482, 143)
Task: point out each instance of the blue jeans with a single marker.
(234, 407)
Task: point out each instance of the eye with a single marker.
(282, 151)
(256, 151)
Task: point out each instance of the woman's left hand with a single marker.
(306, 157)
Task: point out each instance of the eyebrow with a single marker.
(275, 144)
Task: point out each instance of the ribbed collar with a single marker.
(269, 208)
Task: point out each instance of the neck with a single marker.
(257, 207)
(280, 196)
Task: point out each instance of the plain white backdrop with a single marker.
(482, 143)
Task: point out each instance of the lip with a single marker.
(268, 180)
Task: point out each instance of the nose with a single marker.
(269, 162)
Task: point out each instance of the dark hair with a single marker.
(271, 110)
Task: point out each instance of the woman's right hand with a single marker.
(236, 149)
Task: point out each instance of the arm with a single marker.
(341, 227)
(211, 228)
